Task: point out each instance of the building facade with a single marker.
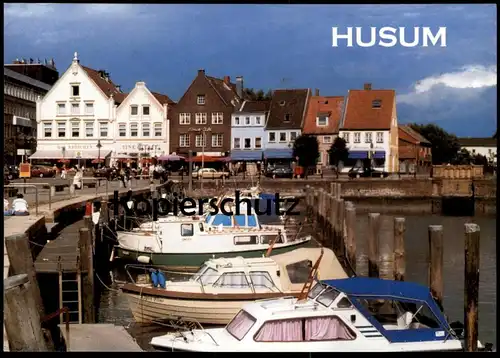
(285, 121)
(415, 151)
(77, 114)
(370, 128)
(201, 120)
(322, 121)
(141, 127)
(21, 90)
(486, 147)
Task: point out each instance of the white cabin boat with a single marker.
(220, 288)
(348, 315)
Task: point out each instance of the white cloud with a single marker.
(27, 10)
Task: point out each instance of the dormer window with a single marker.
(75, 90)
(376, 103)
(288, 117)
(282, 103)
(322, 121)
(200, 100)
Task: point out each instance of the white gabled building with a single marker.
(76, 113)
(142, 125)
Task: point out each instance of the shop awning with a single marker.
(208, 159)
(379, 155)
(358, 154)
(246, 155)
(278, 153)
(70, 154)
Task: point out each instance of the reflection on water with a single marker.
(114, 307)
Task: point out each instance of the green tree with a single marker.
(306, 148)
(338, 152)
(257, 95)
(445, 146)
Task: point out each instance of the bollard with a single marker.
(472, 237)
(386, 256)
(87, 269)
(350, 222)
(71, 189)
(52, 191)
(399, 249)
(436, 262)
(373, 242)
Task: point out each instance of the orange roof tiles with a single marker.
(332, 105)
(360, 113)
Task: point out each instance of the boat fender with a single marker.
(154, 278)
(144, 259)
(162, 280)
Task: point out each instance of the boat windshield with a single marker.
(240, 325)
(206, 275)
(197, 275)
(315, 291)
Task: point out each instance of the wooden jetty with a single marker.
(98, 337)
(334, 220)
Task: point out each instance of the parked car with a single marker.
(103, 173)
(42, 171)
(11, 172)
(210, 173)
(280, 172)
(367, 172)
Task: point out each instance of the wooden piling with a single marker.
(333, 223)
(399, 249)
(340, 226)
(21, 262)
(436, 262)
(21, 316)
(338, 191)
(373, 244)
(472, 238)
(332, 188)
(87, 270)
(350, 222)
(386, 256)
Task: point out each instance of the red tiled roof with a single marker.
(417, 137)
(255, 106)
(225, 91)
(407, 152)
(162, 98)
(361, 115)
(287, 101)
(107, 86)
(477, 142)
(403, 135)
(332, 106)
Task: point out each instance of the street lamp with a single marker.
(99, 153)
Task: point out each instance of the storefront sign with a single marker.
(139, 147)
(25, 170)
(207, 129)
(77, 146)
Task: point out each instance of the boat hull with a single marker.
(193, 261)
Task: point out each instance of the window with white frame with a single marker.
(217, 140)
(320, 158)
(248, 143)
(293, 136)
(47, 129)
(75, 108)
(257, 121)
(61, 129)
(346, 136)
(201, 118)
(237, 143)
(258, 142)
(327, 139)
(61, 108)
(380, 137)
(146, 129)
(322, 121)
(158, 129)
(134, 129)
(357, 137)
(217, 118)
(75, 129)
(184, 118)
(247, 121)
(134, 110)
(184, 140)
(145, 110)
(103, 129)
(368, 137)
(236, 121)
(122, 130)
(200, 140)
(283, 137)
(89, 129)
(89, 108)
(200, 99)
(272, 137)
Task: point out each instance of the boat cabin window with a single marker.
(344, 303)
(315, 291)
(198, 273)
(252, 221)
(187, 230)
(219, 219)
(262, 279)
(209, 276)
(246, 240)
(299, 271)
(328, 296)
(239, 220)
(232, 279)
(240, 325)
(398, 315)
(267, 239)
(329, 328)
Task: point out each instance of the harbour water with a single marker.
(114, 306)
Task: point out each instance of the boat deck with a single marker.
(99, 337)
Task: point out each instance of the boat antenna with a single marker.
(271, 245)
(312, 276)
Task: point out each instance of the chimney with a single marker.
(239, 86)
(368, 86)
(227, 80)
(119, 88)
(316, 92)
(201, 72)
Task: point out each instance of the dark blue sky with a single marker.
(276, 46)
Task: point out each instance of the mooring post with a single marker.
(373, 239)
(340, 226)
(308, 202)
(21, 316)
(436, 262)
(332, 188)
(87, 269)
(472, 238)
(399, 249)
(332, 220)
(21, 262)
(350, 223)
(386, 256)
(190, 171)
(338, 191)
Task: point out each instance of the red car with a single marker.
(42, 171)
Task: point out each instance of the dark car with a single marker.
(280, 172)
(102, 172)
(11, 172)
(42, 171)
(367, 173)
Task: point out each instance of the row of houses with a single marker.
(86, 115)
